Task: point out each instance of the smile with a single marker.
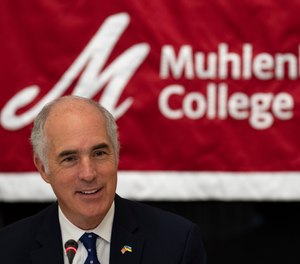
(90, 192)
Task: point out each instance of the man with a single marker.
(76, 151)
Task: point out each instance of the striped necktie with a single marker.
(89, 241)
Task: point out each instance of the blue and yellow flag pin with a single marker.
(126, 249)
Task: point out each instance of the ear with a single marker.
(41, 168)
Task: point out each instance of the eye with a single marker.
(99, 153)
(69, 159)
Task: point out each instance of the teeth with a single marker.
(89, 192)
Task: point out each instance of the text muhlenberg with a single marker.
(260, 109)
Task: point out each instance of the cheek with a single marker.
(109, 175)
(63, 187)
(61, 178)
(107, 169)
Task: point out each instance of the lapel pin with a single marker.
(126, 249)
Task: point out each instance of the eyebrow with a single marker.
(65, 153)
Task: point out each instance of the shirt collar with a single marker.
(103, 230)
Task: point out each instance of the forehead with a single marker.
(73, 121)
(69, 109)
(72, 105)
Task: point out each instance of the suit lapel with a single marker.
(49, 239)
(124, 233)
(49, 248)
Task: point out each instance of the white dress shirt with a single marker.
(70, 231)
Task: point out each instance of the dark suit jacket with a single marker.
(155, 236)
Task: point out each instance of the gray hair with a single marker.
(39, 142)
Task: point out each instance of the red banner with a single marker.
(197, 87)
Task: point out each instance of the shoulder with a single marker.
(23, 237)
(152, 218)
(24, 228)
(175, 238)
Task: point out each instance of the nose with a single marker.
(87, 171)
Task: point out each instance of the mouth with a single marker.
(89, 192)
